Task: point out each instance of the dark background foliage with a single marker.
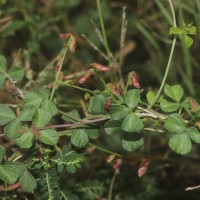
(29, 34)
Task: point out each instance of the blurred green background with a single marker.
(29, 35)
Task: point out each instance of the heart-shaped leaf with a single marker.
(175, 92)
(118, 112)
(132, 123)
(180, 143)
(132, 98)
(132, 145)
(167, 106)
(175, 124)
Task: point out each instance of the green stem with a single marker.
(60, 68)
(169, 60)
(104, 34)
(77, 87)
(105, 150)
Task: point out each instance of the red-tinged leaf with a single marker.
(100, 67)
(142, 171)
(64, 36)
(14, 186)
(86, 76)
(72, 45)
(117, 164)
(108, 104)
(135, 80)
(57, 68)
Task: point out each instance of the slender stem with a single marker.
(77, 87)
(104, 35)
(72, 125)
(105, 150)
(60, 68)
(169, 60)
(112, 185)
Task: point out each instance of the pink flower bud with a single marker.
(100, 67)
(135, 80)
(64, 36)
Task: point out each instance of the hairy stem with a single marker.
(169, 60)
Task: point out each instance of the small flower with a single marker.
(135, 80)
(100, 67)
(86, 76)
(143, 167)
(117, 164)
(64, 36)
(72, 45)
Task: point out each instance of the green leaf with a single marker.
(175, 92)
(28, 182)
(79, 138)
(72, 116)
(32, 99)
(180, 143)
(50, 137)
(151, 96)
(2, 153)
(50, 106)
(167, 106)
(2, 80)
(13, 27)
(132, 145)
(175, 124)
(175, 31)
(118, 112)
(16, 73)
(27, 113)
(194, 134)
(6, 115)
(41, 117)
(132, 123)
(8, 174)
(25, 140)
(132, 98)
(112, 127)
(93, 133)
(11, 129)
(191, 30)
(188, 40)
(3, 63)
(97, 104)
(43, 92)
